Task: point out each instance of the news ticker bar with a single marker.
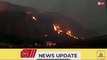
(53, 54)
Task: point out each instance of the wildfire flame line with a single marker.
(58, 29)
(69, 33)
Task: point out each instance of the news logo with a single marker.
(101, 55)
(101, 3)
(28, 53)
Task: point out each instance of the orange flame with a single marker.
(57, 29)
(34, 18)
(69, 33)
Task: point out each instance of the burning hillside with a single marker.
(30, 28)
(59, 30)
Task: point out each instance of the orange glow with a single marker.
(57, 29)
(69, 33)
(60, 31)
(75, 37)
(34, 18)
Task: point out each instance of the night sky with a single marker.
(85, 12)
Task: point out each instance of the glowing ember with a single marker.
(69, 33)
(57, 29)
(60, 31)
(74, 36)
(34, 18)
(49, 43)
(54, 44)
(46, 35)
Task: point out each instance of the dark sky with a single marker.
(86, 12)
